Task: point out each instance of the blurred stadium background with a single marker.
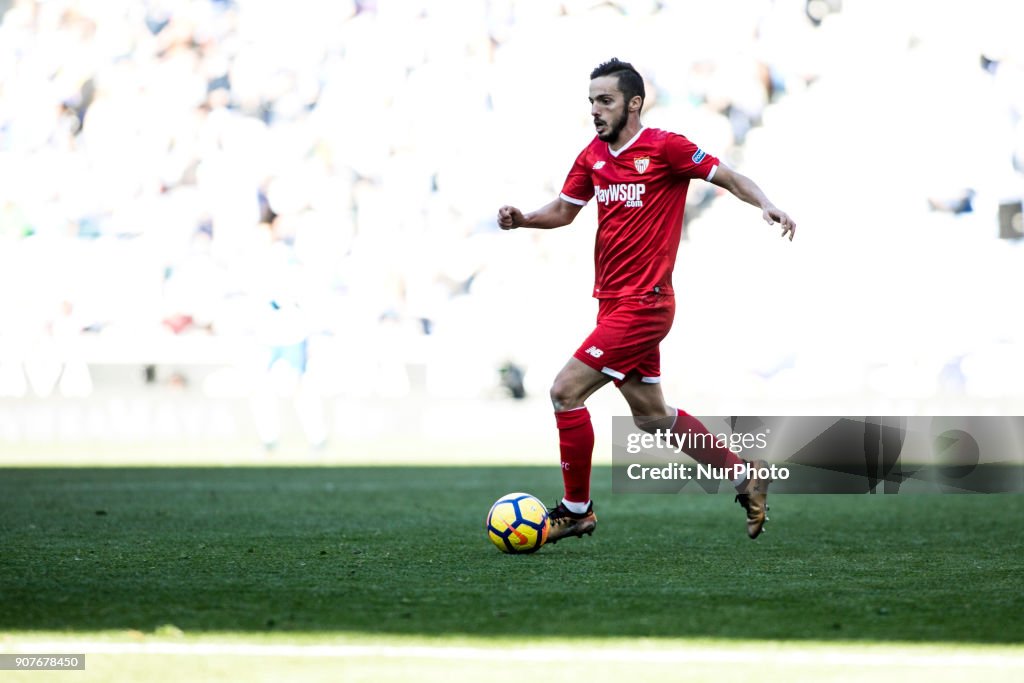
(190, 190)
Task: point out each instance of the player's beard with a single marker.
(612, 133)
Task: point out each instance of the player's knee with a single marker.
(648, 423)
(565, 396)
(650, 417)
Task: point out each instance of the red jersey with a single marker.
(641, 194)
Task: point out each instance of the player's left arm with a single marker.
(747, 190)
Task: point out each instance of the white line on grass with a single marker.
(891, 656)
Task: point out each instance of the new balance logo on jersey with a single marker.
(595, 352)
(598, 165)
(630, 193)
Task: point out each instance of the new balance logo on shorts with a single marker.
(595, 352)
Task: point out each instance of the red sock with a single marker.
(576, 443)
(713, 454)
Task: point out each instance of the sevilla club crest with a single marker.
(641, 163)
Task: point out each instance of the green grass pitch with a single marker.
(377, 553)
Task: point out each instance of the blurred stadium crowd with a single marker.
(204, 181)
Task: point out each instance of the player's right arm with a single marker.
(576, 192)
(553, 215)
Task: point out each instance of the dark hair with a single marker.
(631, 83)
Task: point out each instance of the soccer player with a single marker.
(639, 177)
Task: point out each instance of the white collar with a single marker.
(622, 149)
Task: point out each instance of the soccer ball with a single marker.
(518, 523)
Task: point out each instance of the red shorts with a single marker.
(626, 339)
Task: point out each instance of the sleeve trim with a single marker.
(572, 200)
(711, 173)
